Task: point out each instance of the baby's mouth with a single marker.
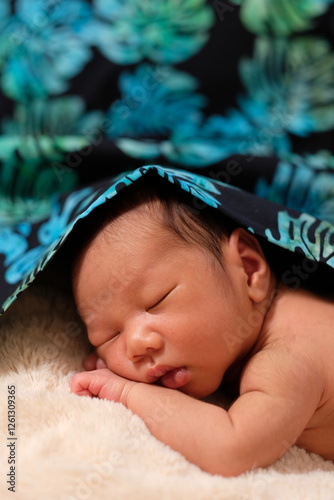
(176, 378)
(168, 376)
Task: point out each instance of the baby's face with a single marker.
(158, 310)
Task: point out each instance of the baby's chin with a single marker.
(199, 391)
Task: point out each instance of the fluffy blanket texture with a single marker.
(76, 448)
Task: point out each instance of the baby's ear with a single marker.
(246, 253)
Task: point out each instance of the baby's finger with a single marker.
(79, 385)
(100, 363)
(84, 392)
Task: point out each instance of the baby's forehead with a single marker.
(143, 217)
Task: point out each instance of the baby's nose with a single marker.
(141, 342)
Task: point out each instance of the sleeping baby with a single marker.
(177, 304)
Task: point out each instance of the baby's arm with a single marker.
(272, 411)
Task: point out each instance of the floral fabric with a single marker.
(233, 91)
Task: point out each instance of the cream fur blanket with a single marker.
(76, 448)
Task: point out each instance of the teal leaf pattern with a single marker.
(4, 9)
(304, 183)
(12, 245)
(168, 31)
(288, 93)
(33, 149)
(280, 17)
(6, 37)
(143, 149)
(289, 90)
(197, 146)
(197, 185)
(48, 236)
(166, 99)
(304, 232)
(42, 47)
(294, 80)
(220, 136)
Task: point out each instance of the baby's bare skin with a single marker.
(173, 308)
(304, 328)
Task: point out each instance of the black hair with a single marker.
(178, 212)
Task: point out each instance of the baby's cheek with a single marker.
(106, 356)
(114, 357)
(101, 352)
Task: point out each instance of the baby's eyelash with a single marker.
(114, 335)
(161, 300)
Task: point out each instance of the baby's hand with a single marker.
(102, 383)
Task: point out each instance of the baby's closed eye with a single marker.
(160, 300)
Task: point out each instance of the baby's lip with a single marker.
(153, 374)
(169, 376)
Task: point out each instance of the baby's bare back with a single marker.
(300, 329)
(318, 436)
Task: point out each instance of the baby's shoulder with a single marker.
(279, 367)
(300, 321)
(295, 345)
(302, 304)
